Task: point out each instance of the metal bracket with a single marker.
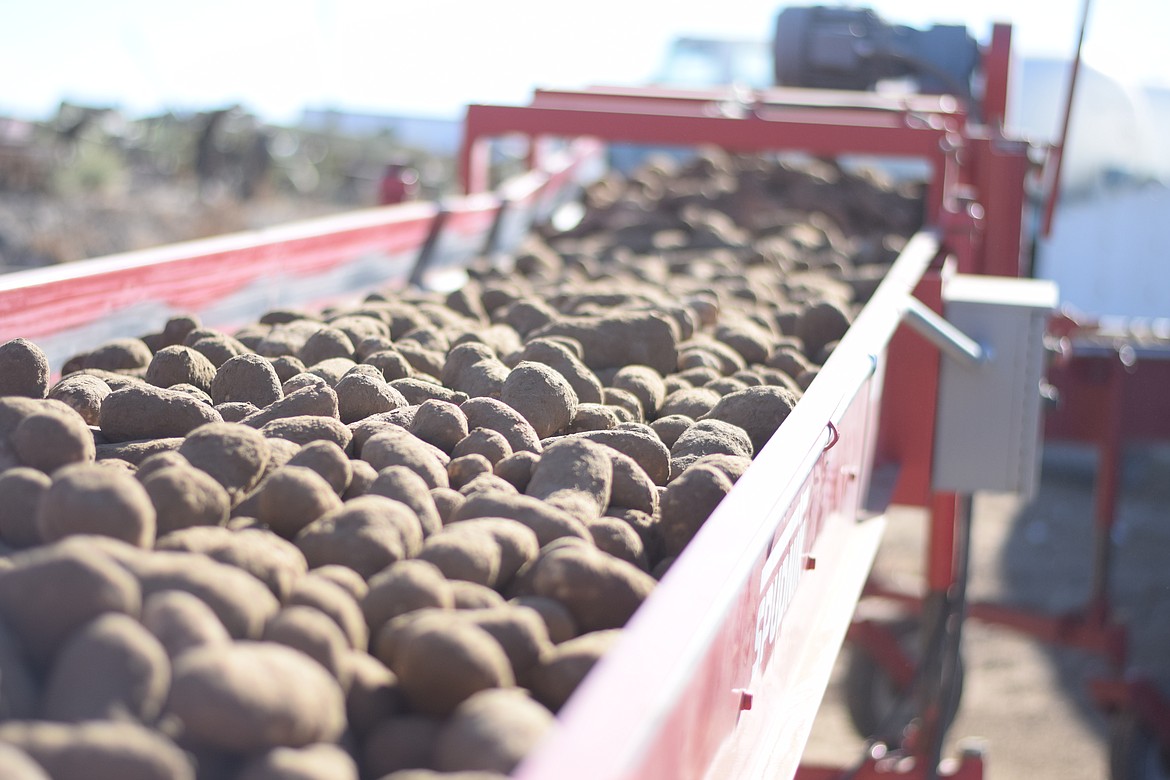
(950, 340)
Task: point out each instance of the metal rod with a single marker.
(953, 342)
(1058, 149)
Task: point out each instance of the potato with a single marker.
(620, 540)
(292, 498)
(218, 348)
(561, 359)
(404, 587)
(349, 580)
(373, 694)
(440, 423)
(441, 661)
(709, 437)
(547, 522)
(340, 605)
(325, 343)
(627, 405)
(82, 393)
(21, 490)
(471, 556)
(241, 602)
(757, 410)
(518, 543)
(316, 635)
(181, 621)
(147, 412)
(473, 596)
(594, 417)
(483, 442)
(234, 454)
(315, 762)
(391, 363)
(20, 685)
(621, 339)
(465, 468)
(553, 681)
(253, 696)
(15, 764)
(184, 496)
(24, 369)
(475, 369)
(639, 443)
(404, 742)
(327, 459)
(124, 354)
(820, 323)
(447, 501)
(600, 591)
(313, 400)
(492, 730)
(274, 561)
(494, 414)
(516, 469)
(573, 474)
(234, 411)
(424, 387)
(401, 484)
(49, 592)
(176, 365)
(541, 395)
(98, 750)
(109, 669)
(246, 377)
(558, 621)
(85, 498)
(134, 452)
(687, 503)
(51, 435)
(398, 447)
(362, 476)
(359, 396)
(367, 534)
(308, 428)
(692, 402)
(670, 427)
(521, 631)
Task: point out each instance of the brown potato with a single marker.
(252, 696)
(316, 635)
(181, 621)
(85, 498)
(21, 490)
(292, 498)
(110, 668)
(601, 591)
(492, 730)
(553, 681)
(24, 369)
(247, 377)
(99, 750)
(315, 762)
(184, 496)
(544, 397)
(404, 587)
(440, 661)
(367, 534)
(146, 412)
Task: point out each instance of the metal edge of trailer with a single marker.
(707, 668)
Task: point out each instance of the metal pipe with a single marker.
(1059, 147)
(950, 340)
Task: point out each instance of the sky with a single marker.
(433, 57)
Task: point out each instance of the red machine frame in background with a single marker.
(975, 203)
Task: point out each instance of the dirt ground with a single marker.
(1027, 702)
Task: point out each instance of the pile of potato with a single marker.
(389, 540)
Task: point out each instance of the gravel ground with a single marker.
(1027, 702)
